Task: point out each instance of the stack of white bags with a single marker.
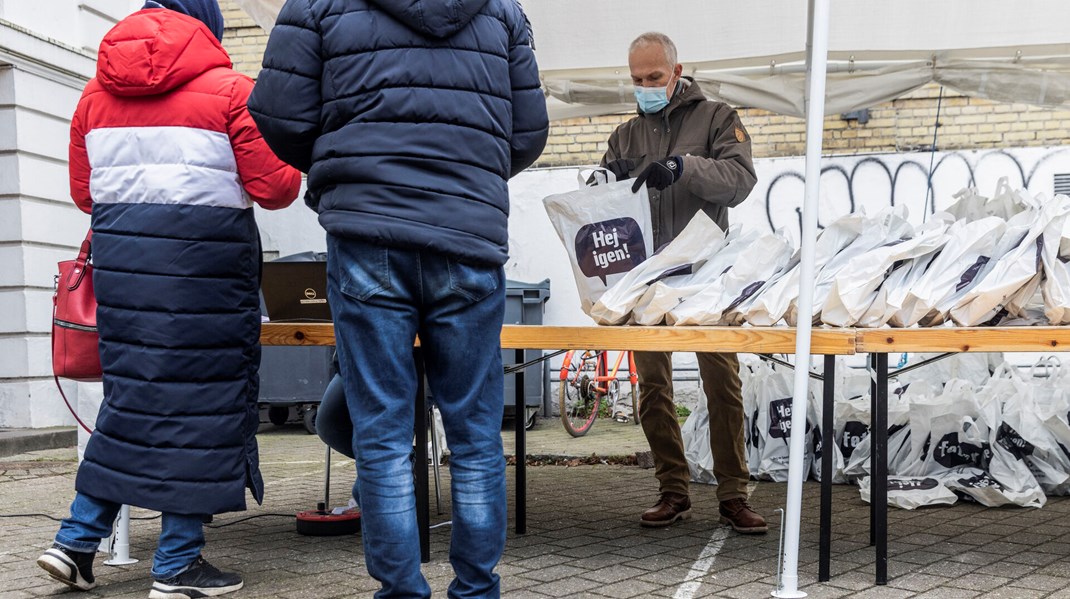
(984, 261)
(955, 431)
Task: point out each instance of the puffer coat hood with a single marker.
(154, 51)
(435, 18)
(205, 11)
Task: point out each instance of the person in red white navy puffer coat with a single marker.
(166, 158)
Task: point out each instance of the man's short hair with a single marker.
(653, 37)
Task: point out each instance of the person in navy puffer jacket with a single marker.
(409, 117)
(167, 159)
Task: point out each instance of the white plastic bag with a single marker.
(748, 366)
(979, 486)
(1055, 288)
(664, 295)
(888, 226)
(696, 437)
(860, 435)
(855, 287)
(773, 424)
(969, 247)
(773, 302)
(699, 240)
(911, 492)
(1006, 202)
(767, 256)
(606, 231)
(1024, 435)
(892, 295)
(1016, 268)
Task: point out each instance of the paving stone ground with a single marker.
(583, 536)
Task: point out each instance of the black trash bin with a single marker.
(525, 304)
(293, 379)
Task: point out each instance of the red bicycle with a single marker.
(587, 382)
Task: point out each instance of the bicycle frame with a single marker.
(589, 384)
(600, 367)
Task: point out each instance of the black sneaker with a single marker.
(72, 568)
(201, 580)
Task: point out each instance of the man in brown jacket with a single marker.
(693, 154)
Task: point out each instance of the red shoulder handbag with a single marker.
(75, 341)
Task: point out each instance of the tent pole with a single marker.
(816, 58)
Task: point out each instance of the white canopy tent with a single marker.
(754, 53)
(775, 54)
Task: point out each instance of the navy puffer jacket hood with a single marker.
(205, 11)
(436, 19)
(409, 117)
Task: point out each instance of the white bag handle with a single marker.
(588, 177)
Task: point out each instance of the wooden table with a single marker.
(773, 340)
(878, 343)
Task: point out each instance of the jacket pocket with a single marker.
(474, 282)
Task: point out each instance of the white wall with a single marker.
(47, 53)
(75, 23)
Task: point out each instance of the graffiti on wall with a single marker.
(923, 182)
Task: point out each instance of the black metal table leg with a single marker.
(879, 479)
(827, 441)
(872, 460)
(423, 506)
(520, 409)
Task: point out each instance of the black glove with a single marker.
(621, 168)
(660, 174)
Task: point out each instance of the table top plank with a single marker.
(964, 339)
(772, 340)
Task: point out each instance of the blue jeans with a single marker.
(332, 418)
(381, 298)
(333, 424)
(181, 537)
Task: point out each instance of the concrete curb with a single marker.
(14, 441)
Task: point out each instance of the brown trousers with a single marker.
(724, 398)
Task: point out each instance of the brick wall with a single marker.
(242, 38)
(901, 125)
(905, 124)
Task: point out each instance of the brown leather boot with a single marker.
(739, 515)
(669, 508)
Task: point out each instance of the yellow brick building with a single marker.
(906, 124)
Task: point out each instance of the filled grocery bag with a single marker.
(606, 231)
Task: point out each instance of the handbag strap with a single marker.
(84, 426)
(74, 279)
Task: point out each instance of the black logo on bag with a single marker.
(1009, 439)
(951, 453)
(981, 481)
(780, 418)
(971, 273)
(743, 295)
(609, 247)
(912, 484)
(853, 433)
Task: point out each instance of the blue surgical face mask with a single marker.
(652, 99)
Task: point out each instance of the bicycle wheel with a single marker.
(579, 396)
